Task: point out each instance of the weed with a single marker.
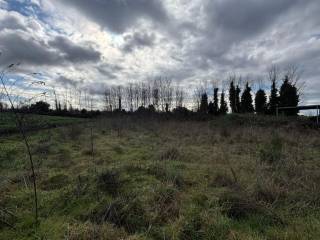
(192, 227)
(272, 152)
(171, 154)
(166, 204)
(223, 180)
(55, 182)
(109, 181)
(84, 231)
(126, 212)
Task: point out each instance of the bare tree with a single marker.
(20, 126)
(119, 92)
(129, 94)
(136, 94)
(179, 96)
(273, 74)
(294, 76)
(155, 94)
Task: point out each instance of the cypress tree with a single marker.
(232, 97)
(211, 108)
(246, 100)
(274, 99)
(260, 101)
(223, 104)
(204, 103)
(289, 96)
(215, 102)
(238, 106)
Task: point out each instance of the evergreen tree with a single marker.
(289, 96)
(238, 106)
(223, 104)
(232, 97)
(211, 108)
(204, 103)
(215, 102)
(260, 101)
(246, 100)
(274, 99)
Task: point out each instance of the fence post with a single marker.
(318, 113)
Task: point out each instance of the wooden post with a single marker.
(318, 113)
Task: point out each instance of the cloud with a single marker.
(65, 81)
(11, 21)
(138, 40)
(115, 41)
(16, 47)
(119, 15)
(73, 52)
(109, 70)
(19, 47)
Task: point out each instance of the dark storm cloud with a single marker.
(119, 15)
(138, 40)
(74, 53)
(246, 18)
(230, 22)
(19, 47)
(16, 47)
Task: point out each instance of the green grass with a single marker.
(222, 179)
(33, 122)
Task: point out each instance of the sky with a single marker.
(89, 44)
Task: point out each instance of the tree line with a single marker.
(161, 95)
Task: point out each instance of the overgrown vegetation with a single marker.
(233, 177)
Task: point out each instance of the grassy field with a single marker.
(33, 122)
(229, 178)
